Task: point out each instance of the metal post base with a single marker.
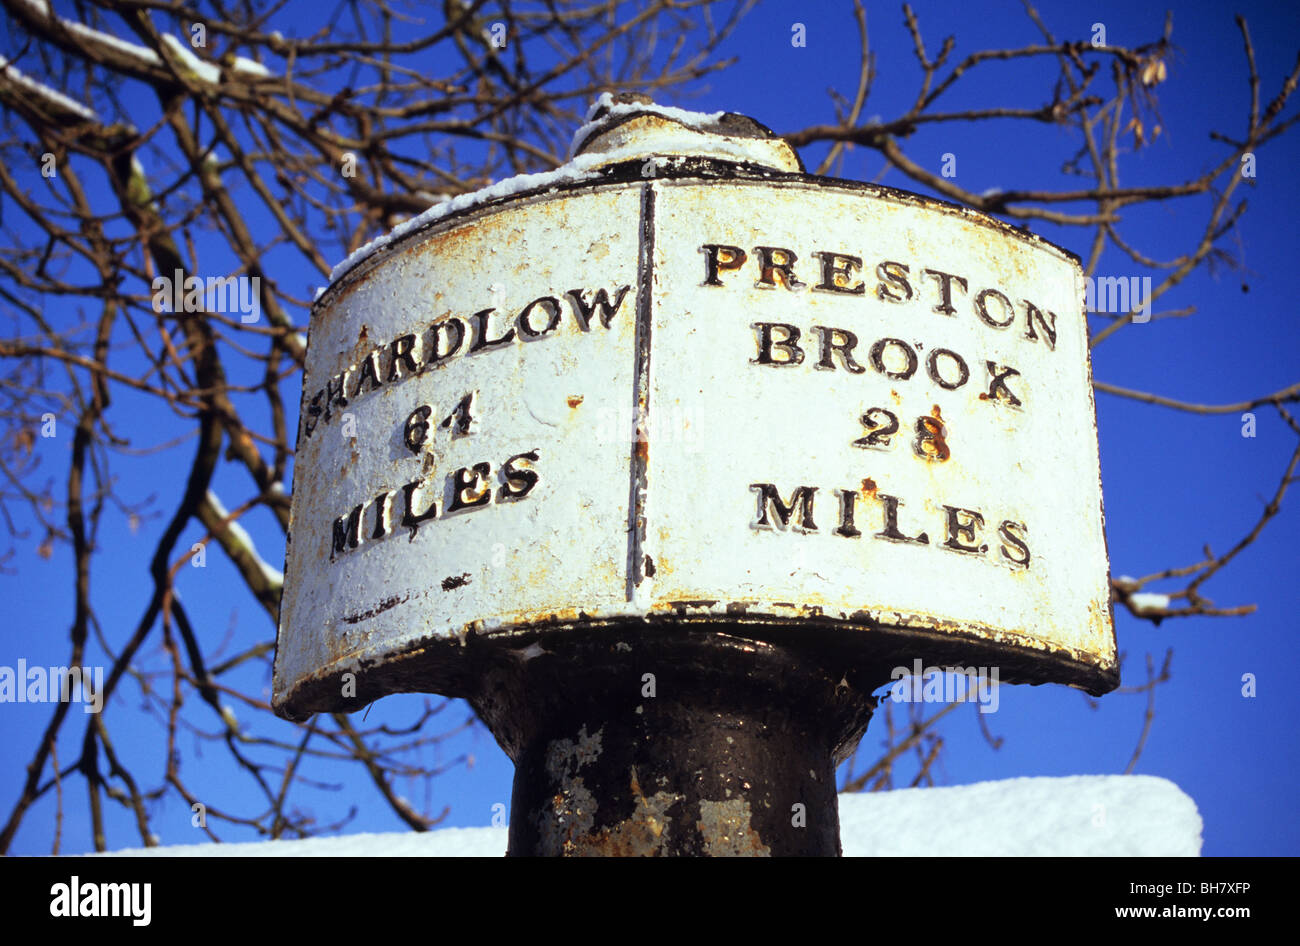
(666, 741)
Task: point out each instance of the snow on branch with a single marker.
(50, 97)
(142, 56)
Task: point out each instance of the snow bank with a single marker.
(447, 842)
(1082, 815)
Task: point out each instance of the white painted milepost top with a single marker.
(681, 381)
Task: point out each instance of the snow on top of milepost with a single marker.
(610, 109)
(579, 168)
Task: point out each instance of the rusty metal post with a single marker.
(667, 459)
(672, 742)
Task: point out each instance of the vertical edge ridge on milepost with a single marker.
(637, 567)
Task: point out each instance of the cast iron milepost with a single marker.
(668, 459)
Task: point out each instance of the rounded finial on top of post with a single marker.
(629, 125)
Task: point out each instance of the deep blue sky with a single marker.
(1173, 482)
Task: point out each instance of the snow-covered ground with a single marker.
(1081, 815)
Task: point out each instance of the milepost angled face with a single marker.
(688, 386)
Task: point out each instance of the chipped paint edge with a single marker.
(1095, 673)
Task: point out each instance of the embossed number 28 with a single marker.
(931, 436)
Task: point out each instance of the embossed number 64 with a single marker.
(417, 430)
(930, 442)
